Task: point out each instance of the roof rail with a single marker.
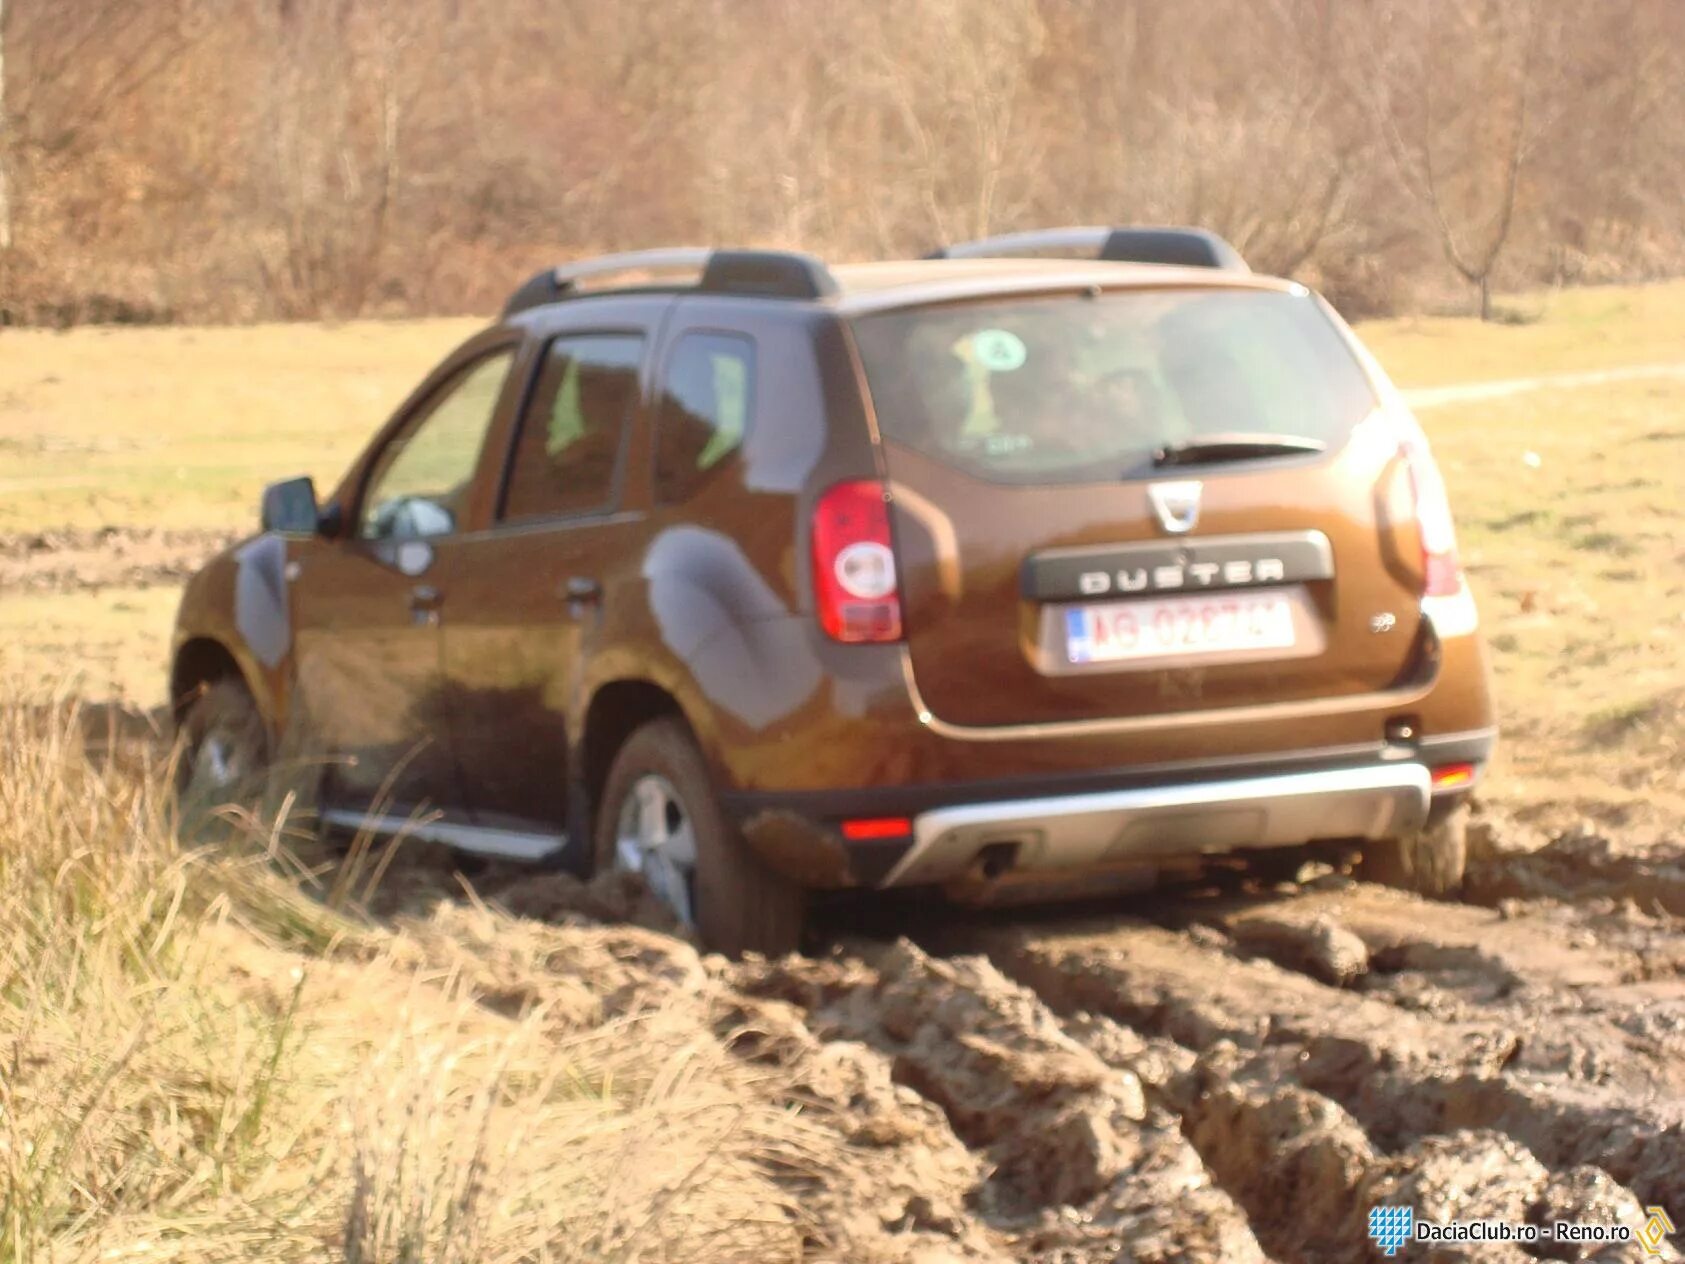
(1185, 247)
(768, 273)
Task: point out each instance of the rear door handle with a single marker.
(582, 590)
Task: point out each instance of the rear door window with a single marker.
(706, 402)
(1067, 389)
(568, 452)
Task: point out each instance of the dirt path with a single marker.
(1243, 1078)
(1462, 392)
(1207, 1076)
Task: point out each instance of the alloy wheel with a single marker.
(655, 837)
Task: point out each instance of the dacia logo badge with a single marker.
(1176, 504)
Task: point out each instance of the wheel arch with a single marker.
(617, 709)
(200, 661)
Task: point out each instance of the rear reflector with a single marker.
(855, 590)
(868, 829)
(1452, 776)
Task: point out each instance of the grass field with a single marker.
(1576, 557)
(1567, 331)
(1570, 499)
(183, 427)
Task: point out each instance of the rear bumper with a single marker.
(1169, 822)
(1141, 815)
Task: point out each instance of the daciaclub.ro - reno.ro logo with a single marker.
(1392, 1228)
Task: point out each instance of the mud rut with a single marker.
(1242, 1077)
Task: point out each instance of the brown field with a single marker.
(252, 1051)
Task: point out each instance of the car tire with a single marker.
(1430, 862)
(736, 903)
(1277, 865)
(224, 756)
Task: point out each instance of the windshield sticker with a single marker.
(998, 350)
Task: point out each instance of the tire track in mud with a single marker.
(1080, 1152)
(1197, 1076)
(1479, 1064)
(1245, 1076)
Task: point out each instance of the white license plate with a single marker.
(1175, 627)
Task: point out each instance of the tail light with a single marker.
(1441, 569)
(874, 829)
(1453, 776)
(854, 584)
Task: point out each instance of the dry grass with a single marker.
(113, 643)
(199, 1061)
(1571, 508)
(183, 427)
(1562, 331)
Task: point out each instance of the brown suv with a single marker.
(1016, 576)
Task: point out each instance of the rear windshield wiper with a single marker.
(1209, 449)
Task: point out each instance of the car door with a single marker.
(530, 596)
(368, 605)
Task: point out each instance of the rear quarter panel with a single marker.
(717, 609)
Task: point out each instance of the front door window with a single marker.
(420, 484)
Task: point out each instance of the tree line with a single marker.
(218, 160)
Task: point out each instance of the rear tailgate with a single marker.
(1040, 580)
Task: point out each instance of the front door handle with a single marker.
(583, 591)
(425, 601)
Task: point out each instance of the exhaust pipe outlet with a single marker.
(996, 861)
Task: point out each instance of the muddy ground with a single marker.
(87, 560)
(1215, 1071)
(1204, 1073)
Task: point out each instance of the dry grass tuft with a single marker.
(200, 1062)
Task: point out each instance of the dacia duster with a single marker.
(1001, 571)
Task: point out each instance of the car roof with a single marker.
(863, 288)
(869, 287)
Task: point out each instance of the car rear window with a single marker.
(1070, 388)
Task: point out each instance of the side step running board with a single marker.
(479, 839)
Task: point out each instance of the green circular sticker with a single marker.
(998, 350)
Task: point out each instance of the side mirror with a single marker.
(290, 507)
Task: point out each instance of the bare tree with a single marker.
(241, 158)
(5, 145)
(939, 94)
(331, 122)
(1455, 96)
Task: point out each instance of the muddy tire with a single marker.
(659, 815)
(224, 757)
(1277, 865)
(1430, 862)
